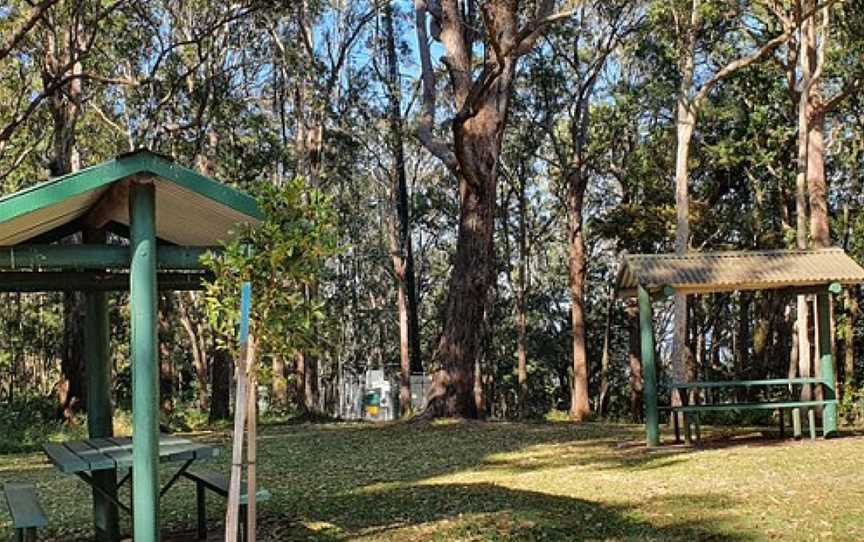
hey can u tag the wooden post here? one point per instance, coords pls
(247, 353)
(99, 416)
(649, 376)
(252, 444)
(145, 371)
(826, 365)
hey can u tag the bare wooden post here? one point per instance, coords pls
(247, 352)
(251, 443)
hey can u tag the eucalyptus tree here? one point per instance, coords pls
(478, 95)
(570, 73)
(696, 42)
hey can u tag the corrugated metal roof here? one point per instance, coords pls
(191, 209)
(705, 272)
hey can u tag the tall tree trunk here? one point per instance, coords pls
(481, 104)
(521, 311)
(634, 362)
(220, 385)
(478, 145)
(850, 304)
(685, 124)
(742, 358)
(311, 394)
(166, 366)
(279, 386)
(401, 246)
(579, 406)
(603, 396)
(577, 182)
(807, 58)
(194, 333)
(64, 106)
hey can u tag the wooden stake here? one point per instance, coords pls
(247, 354)
(252, 446)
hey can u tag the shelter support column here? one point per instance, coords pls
(826, 364)
(649, 374)
(145, 370)
(99, 410)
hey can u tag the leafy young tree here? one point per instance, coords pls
(280, 256)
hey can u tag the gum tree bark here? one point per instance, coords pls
(481, 103)
(399, 226)
(61, 61)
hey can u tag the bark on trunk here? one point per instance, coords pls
(579, 406)
(220, 384)
(603, 396)
(521, 312)
(634, 362)
(851, 306)
(65, 108)
(279, 387)
(478, 145)
(194, 333)
(399, 228)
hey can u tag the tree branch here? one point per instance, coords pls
(740, 64)
(36, 13)
(426, 124)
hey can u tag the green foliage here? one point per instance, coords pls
(851, 408)
(31, 421)
(283, 257)
(186, 417)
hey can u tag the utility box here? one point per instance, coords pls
(374, 396)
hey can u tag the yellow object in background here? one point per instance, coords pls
(372, 410)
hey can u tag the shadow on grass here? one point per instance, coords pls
(490, 512)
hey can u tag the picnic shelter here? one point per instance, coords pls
(170, 216)
(819, 272)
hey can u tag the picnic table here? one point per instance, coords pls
(83, 458)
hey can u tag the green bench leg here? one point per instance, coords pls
(796, 423)
(241, 536)
(201, 501)
(677, 428)
(698, 427)
(811, 421)
(782, 423)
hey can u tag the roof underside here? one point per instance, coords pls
(191, 209)
(708, 272)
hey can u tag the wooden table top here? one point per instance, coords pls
(112, 453)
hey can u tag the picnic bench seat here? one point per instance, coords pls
(27, 514)
(780, 405)
(219, 483)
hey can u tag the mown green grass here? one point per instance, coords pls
(507, 481)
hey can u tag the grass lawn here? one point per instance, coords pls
(508, 481)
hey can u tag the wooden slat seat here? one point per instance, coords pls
(761, 405)
(768, 405)
(747, 383)
(219, 484)
(27, 514)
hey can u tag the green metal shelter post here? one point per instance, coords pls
(826, 364)
(145, 371)
(99, 411)
(649, 375)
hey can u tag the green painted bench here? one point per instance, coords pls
(27, 514)
(764, 405)
(217, 483)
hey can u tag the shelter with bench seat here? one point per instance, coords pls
(821, 272)
(170, 215)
